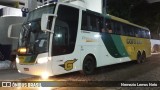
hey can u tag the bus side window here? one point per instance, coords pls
(84, 21)
(100, 24)
(131, 31)
(94, 23)
(121, 29)
(136, 32)
(114, 27)
(144, 34)
(125, 30)
(117, 28)
(147, 34)
(140, 33)
(89, 26)
(108, 27)
(91, 22)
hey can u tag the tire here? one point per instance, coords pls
(139, 58)
(89, 65)
(143, 57)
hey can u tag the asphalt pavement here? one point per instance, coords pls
(130, 71)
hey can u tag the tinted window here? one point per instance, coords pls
(116, 28)
(147, 34)
(37, 14)
(84, 21)
(107, 26)
(61, 35)
(91, 22)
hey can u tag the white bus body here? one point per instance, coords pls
(69, 48)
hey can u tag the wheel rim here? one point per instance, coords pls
(88, 66)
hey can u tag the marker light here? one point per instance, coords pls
(22, 50)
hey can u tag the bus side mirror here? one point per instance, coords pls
(46, 22)
(13, 30)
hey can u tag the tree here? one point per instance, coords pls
(122, 8)
(137, 11)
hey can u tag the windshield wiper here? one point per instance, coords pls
(25, 27)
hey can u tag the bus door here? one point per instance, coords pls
(64, 38)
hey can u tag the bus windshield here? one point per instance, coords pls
(31, 35)
(37, 13)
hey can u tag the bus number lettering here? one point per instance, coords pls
(133, 41)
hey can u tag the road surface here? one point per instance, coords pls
(130, 71)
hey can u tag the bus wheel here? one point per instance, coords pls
(89, 65)
(143, 57)
(139, 58)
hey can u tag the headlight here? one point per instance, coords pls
(19, 71)
(22, 50)
(42, 60)
(45, 75)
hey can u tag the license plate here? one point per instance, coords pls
(26, 69)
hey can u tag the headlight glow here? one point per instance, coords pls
(45, 75)
(22, 50)
(19, 71)
(42, 60)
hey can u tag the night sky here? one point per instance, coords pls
(140, 12)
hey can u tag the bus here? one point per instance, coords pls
(62, 38)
